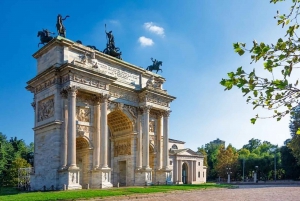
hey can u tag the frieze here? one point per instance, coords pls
(46, 109)
(152, 98)
(48, 83)
(122, 147)
(89, 60)
(84, 80)
(126, 95)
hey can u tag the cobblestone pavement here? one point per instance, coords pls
(243, 193)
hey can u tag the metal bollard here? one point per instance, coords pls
(87, 186)
(118, 185)
(145, 183)
(65, 187)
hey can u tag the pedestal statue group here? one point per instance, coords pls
(111, 49)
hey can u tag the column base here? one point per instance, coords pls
(69, 179)
(164, 177)
(143, 177)
(101, 178)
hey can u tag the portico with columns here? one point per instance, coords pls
(99, 121)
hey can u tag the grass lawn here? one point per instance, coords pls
(14, 195)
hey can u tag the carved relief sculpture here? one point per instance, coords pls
(122, 147)
(46, 109)
(83, 114)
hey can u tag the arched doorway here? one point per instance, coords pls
(82, 159)
(184, 173)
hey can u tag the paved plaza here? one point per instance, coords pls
(243, 193)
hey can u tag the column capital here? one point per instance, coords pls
(146, 108)
(166, 113)
(96, 99)
(72, 90)
(104, 98)
(64, 93)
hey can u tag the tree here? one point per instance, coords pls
(253, 144)
(13, 171)
(202, 151)
(294, 142)
(227, 158)
(278, 94)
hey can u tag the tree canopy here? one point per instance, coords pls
(280, 94)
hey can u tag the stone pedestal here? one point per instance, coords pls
(69, 179)
(101, 178)
(164, 177)
(143, 177)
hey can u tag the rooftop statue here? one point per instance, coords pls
(155, 65)
(61, 30)
(44, 36)
(111, 49)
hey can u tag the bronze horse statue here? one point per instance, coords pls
(155, 66)
(44, 37)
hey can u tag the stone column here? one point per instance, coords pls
(72, 92)
(179, 171)
(191, 175)
(64, 130)
(96, 152)
(103, 129)
(139, 140)
(159, 147)
(195, 170)
(146, 111)
(166, 115)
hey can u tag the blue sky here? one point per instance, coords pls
(193, 38)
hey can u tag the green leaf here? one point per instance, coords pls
(253, 120)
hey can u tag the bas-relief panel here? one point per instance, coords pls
(89, 60)
(122, 147)
(83, 114)
(46, 108)
(126, 95)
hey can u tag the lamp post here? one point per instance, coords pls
(255, 174)
(228, 170)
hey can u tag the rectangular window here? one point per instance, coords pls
(171, 163)
(198, 163)
(203, 174)
(199, 174)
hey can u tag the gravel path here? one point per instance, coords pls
(243, 193)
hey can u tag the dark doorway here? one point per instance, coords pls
(122, 173)
(184, 173)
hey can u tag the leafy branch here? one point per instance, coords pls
(280, 95)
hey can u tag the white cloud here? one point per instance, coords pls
(154, 29)
(145, 41)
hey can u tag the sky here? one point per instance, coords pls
(193, 38)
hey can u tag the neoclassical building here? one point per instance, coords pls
(102, 122)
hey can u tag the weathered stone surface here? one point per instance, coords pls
(90, 130)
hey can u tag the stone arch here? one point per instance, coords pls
(83, 142)
(119, 123)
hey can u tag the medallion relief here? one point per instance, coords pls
(45, 109)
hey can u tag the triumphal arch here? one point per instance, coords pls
(99, 121)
